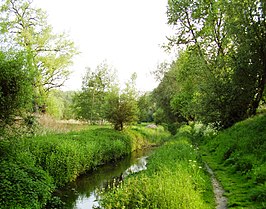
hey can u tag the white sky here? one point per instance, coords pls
(125, 33)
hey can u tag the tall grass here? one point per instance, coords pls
(155, 135)
(31, 168)
(238, 156)
(174, 179)
(48, 125)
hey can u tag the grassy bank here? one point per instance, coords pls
(174, 179)
(31, 168)
(238, 157)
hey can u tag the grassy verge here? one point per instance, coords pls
(174, 179)
(31, 168)
(238, 157)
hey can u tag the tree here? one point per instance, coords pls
(90, 102)
(55, 104)
(163, 95)
(230, 38)
(146, 107)
(247, 29)
(15, 87)
(122, 108)
(25, 28)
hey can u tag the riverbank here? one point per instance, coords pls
(82, 193)
(175, 178)
(31, 168)
(178, 176)
(238, 158)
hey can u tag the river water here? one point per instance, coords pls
(81, 194)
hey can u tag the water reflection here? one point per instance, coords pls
(138, 166)
(81, 193)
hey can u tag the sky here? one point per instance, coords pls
(127, 34)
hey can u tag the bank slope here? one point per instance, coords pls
(174, 179)
(31, 168)
(238, 157)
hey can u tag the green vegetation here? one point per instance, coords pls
(101, 99)
(220, 74)
(122, 107)
(34, 60)
(89, 104)
(174, 179)
(238, 158)
(31, 168)
(217, 80)
(59, 104)
(15, 87)
(25, 27)
(146, 108)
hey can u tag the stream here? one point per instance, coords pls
(220, 199)
(81, 193)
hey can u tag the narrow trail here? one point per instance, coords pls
(221, 201)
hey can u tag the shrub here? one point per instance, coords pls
(15, 86)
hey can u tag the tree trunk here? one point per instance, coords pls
(261, 85)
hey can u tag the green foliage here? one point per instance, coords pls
(90, 103)
(155, 135)
(15, 86)
(238, 157)
(25, 27)
(174, 179)
(67, 98)
(55, 106)
(65, 156)
(146, 108)
(59, 104)
(220, 77)
(23, 184)
(163, 95)
(31, 168)
(101, 98)
(122, 108)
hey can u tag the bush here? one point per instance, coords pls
(15, 86)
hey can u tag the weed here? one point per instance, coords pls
(174, 179)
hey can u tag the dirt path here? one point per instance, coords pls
(221, 201)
